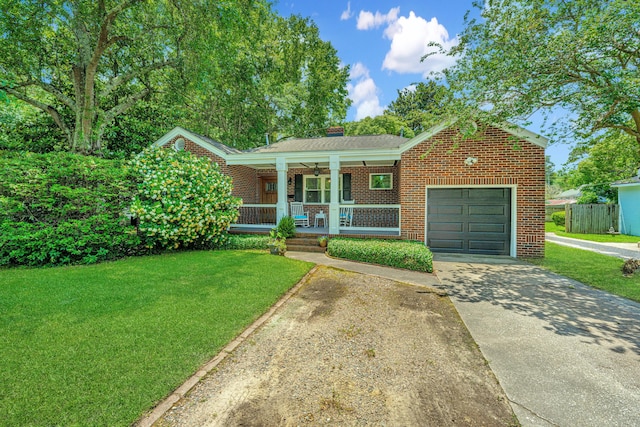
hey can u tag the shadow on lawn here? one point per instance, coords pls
(568, 307)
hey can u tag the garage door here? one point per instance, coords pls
(469, 220)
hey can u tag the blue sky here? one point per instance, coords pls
(382, 42)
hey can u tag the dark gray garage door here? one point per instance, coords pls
(469, 220)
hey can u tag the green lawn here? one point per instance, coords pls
(101, 344)
(550, 227)
(593, 269)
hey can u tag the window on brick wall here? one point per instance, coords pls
(317, 189)
(380, 181)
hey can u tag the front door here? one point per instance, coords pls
(268, 195)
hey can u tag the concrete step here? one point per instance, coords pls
(309, 241)
(303, 248)
(304, 244)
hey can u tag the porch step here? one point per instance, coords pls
(304, 244)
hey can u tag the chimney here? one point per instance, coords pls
(335, 131)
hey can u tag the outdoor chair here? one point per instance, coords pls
(299, 215)
(346, 216)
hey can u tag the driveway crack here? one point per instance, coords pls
(533, 413)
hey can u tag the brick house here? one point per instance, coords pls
(483, 195)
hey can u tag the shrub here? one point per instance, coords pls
(63, 208)
(587, 198)
(246, 241)
(182, 201)
(287, 226)
(558, 218)
(395, 253)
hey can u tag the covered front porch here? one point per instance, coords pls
(353, 219)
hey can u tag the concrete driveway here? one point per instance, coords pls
(565, 354)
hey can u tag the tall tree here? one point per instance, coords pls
(420, 106)
(605, 159)
(86, 62)
(521, 57)
(278, 78)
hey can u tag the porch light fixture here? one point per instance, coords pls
(470, 161)
(316, 171)
(289, 181)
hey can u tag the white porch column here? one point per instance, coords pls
(281, 206)
(334, 206)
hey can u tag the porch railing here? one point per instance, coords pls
(373, 218)
(257, 215)
(365, 218)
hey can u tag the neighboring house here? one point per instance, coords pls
(556, 205)
(483, 195)
(567, 196)
(629, 201)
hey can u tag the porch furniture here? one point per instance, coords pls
(299, 215)
(320, 216)
(346, 216)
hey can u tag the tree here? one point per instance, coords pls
(521, 57)
(386, 124)
(277, 78)
(419, 106)
(603, 160)
(232, 70)
(85, 63)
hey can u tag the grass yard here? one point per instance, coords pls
(593, 269)
(550, 227)
(101, 344)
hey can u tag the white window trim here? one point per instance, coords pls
(383, 173)
(321, 190)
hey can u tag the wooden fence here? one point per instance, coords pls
(592, 219)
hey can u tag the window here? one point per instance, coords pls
(380, 181)
(317, 189)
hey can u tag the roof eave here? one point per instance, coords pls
(314, 156)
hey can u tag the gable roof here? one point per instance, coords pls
(371, 146)
(334, 143)
(205, 142)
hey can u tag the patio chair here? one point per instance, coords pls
(299, 215)
(346, 216)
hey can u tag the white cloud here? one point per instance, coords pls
(363, 92)
(346, 14)
(367, 20)
(409, 39)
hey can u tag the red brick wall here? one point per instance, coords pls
(245, 183)
(440, 162)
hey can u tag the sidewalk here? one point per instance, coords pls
(620, 250)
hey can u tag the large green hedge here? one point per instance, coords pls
(63, 208)
(395, 253)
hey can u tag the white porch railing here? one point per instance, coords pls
(256, 216)
(384, 219)
(373, 218)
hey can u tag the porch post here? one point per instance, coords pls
(281, 206)
(334, 206)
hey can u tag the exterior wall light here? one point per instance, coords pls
(470, 161)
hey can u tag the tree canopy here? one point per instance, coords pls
(416, 109)
(419, 106)
(521, 57)
(110, 70)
